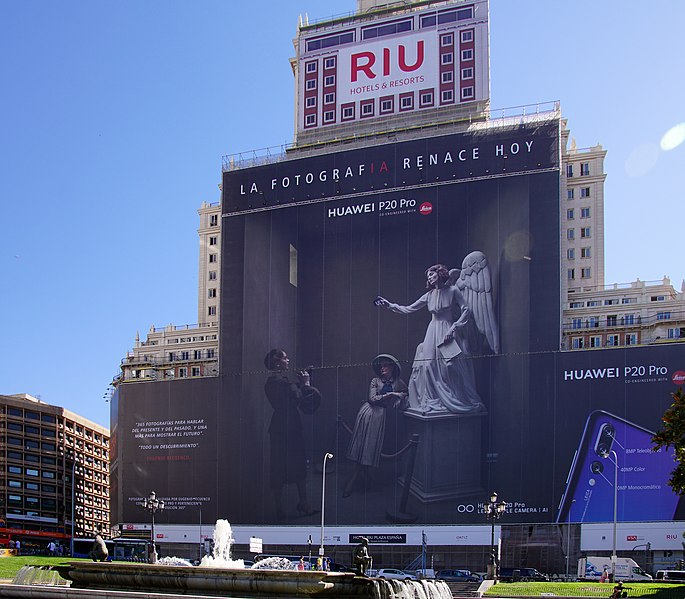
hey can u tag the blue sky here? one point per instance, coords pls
(114, 116)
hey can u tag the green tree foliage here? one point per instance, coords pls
(673, 435)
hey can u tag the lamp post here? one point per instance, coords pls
(493, 512)
(568, 538)
(613, 551)
(327, 456)
(153, 504)
(309, 542)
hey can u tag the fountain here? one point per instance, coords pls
(219, 575)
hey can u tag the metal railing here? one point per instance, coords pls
(483, 119)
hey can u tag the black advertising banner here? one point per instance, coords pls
(419, 285)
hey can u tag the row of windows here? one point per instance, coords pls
(571, 213)
(31, 472)
(585, 233)
(31, 430)
(31, 457)
(585, 252)
(613, 301)
(386, 29)
(585, 273)
(584, 169)
(29, 415)
(31, 444)
(198, 354)
(571, 192)
(448, 38)
(367, 108)
(612, 320)
(598, 341)
(29, 486)
(328, 63)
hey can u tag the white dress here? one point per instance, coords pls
(438, 384)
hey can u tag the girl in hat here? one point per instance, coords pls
(387, 391)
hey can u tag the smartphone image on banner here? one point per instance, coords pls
(610, 442)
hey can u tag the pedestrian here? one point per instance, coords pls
(17, 546)
(300, 565)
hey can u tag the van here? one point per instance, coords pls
(456, 576)
(671, 575)
(525, 574)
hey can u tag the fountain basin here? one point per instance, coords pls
(281, 584)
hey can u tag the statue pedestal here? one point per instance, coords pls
(449, 454)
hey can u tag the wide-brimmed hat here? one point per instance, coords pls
(386, 358)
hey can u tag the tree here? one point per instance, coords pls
(673, 435)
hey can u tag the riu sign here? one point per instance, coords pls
(372, 65)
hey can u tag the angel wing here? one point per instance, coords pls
(475, 283)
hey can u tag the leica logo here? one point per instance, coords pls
(427, 208)
(678, 377)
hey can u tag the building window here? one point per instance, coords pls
(569, 170)
(612, 320)
(467, 92)
(631, 339)
(595, 341)
(447, 58)
(329, 63)
(629, 300)
(212, 275)
(211, 292)
(576, 305)
(612, 340)
(569, 214)
(585, 252)
(584, 192)
(467, 73)
(577, 323)
(658, 298)
(311, 67)
(407, 102)
(570, 233)
(447, 77)
(310, 120)
(366, 108)
(571, 274)
(213, 220)
(675, 333)
(195, 371)
(594, 303)
(211, 311)
(466, 55)
(585, 212)
(183, 372)
(185, 355)
(447, 96)
(585, 233)
(426, 98)
(584, 169)
(630, 319)
(311, 84)
(663, 316)
(569, 194)
(611, 302)
(310, 102)
(329, 99)
(571, 254)
(328, 116)
(386, 105)
(210, 353)
(467, 36)
(213, 240)
(593, 322)
(585, 273)
(329, 80)
(197, 354)
(578, 343)
(446, 40)
(213, 258)
(347, 112)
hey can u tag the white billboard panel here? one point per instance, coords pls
(388, 66)
(662, 536)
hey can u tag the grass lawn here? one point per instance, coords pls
(9, 566)
(585, 589)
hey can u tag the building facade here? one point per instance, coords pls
(55, 474)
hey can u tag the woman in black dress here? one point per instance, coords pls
(287, 397)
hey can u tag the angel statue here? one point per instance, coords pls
(462, 325)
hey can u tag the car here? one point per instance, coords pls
(395, 573)
(457, 576)
(524, 574)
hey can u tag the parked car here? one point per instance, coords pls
(457, 576)
(525, 574)
(395, 573)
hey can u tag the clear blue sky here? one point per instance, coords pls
(114, 116)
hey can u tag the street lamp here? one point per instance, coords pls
(309, 542)
(493, 511)
(613, 551)
(153, 504)
(568, 538)
(327, 456)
